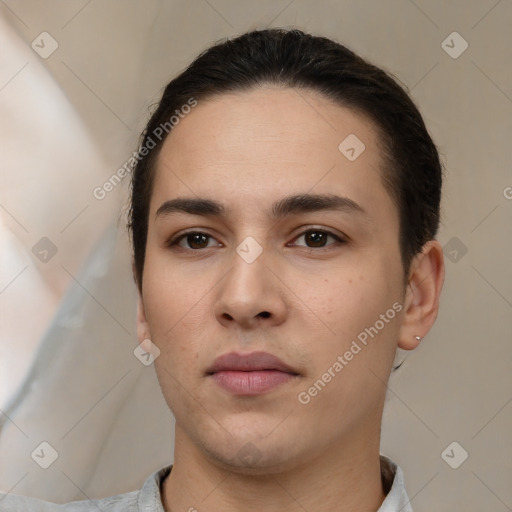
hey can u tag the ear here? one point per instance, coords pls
(143, 331)
(426, 278)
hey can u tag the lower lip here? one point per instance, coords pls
(250, 383)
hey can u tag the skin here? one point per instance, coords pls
(200, 300)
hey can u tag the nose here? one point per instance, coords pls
(251, 294)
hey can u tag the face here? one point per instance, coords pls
(316, 284)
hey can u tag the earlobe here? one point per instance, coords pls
(143, 331)
(426, 279)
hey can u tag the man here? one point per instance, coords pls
(285, 202)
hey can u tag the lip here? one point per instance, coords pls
(250, 374)
(252, 361)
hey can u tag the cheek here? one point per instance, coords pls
(175, 310)
(176, 319)
(349, 368)
(358, 309)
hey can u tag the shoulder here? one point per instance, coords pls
(122, 502)
(147, 498)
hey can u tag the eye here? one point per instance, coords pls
(314, 238)
(194, 239)
(318, 237)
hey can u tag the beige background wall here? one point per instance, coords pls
(69, 120)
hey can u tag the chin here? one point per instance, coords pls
(266, 464)
(251, 456)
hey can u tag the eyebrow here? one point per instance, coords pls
(294, 204)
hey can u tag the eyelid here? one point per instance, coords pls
(325, 231)
(174, 241)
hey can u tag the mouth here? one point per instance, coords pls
(250, 374)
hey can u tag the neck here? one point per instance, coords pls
(344, 478)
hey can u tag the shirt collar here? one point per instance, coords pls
(396, 500)
(150, 499)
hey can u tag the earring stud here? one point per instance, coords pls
(418, 338)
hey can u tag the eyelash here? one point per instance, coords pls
(173, 243)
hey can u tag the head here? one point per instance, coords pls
(272, 129)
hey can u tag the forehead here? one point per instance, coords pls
(250, 148)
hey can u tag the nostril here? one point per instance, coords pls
(264, 314)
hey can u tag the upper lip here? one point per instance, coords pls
(254, 361)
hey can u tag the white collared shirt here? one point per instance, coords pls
(148, 499)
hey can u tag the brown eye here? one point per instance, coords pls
(194, 239)
(197, 239)
(317, 238)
